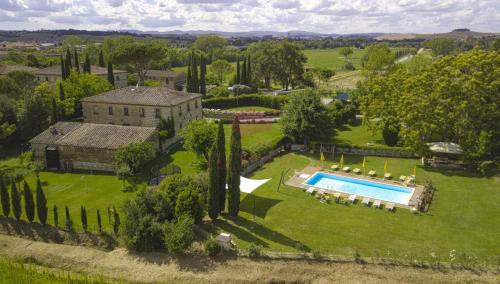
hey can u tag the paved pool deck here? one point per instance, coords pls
(297, 181)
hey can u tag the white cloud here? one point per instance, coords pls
(328, 16)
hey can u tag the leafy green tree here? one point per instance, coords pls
(195, 82)
(68, 62)
(199, 136)
(189, 78)
(64, 74)
(111, 76)
(55, 214)
(234, 171)
(220, 68)
(290, 68)
(69, 223)
(221, 165)
(346, 51)
(116, 221)
(166, 128)
(123, 172)
(179, 235)
(15, 198)
(210, 43)
(135, 155)
(55, 112)
(83, 217)
(238, 72)
(305, 118)
(41, 203)
(138, 55)
(101, 59)
(99, 221)
(249, 78)
(35, 115)
(203, 75)
(213, 185)
(4, 196)
(244, 72)
(87, 64)
(440, 46)
(190, 202)
(377, 57)
(29, 204)
(77, 62)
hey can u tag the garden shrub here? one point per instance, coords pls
(390, 135)
(219, 92)
(212, 248)
(179, 235)
(254, 250)
(275, 102)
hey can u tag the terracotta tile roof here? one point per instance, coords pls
(56, 70)
(149, 96)
(90, 135)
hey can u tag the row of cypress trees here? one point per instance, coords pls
(67, 65)
(195, 83)
(14, 200)
(244, 72)
(219, 174)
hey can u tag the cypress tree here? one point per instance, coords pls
(83, 216)
(4, 196)
(41, 203)
(63, 69)
(189, 80)
(77, 62)
(87, 64)
(194, 74)
(15, 200)
(99, 222)
(249, 71)
(234, 171)
(62, 96)
(29, 204)
(244, 72)
(238, 75)
(116, 221)
(56, 216)
(101, 59)
(68, 61)
(55, 111)
(69, 223)
(213, 185)
(111, 75)
(203, 75)
(221, 165)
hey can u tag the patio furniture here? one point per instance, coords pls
(325, 199)
(352, 198)
(311, 190)
(346, 169)
(356, 171)
(387, 176)
(337, 196)
(376, 203)
(304, 176)
(366, 201)
(372, 173)
(334, 167)
(402, 178)
(390, 206)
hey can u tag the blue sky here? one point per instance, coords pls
(327, 16)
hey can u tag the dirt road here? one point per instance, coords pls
(159, 267)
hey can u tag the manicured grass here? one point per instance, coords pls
(250, 108)
(463, 216)
(252, 135)
(331, 58)
(356, 133)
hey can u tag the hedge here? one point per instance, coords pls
(275, 102)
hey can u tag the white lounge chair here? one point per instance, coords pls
(402, 178)
(337, 196)
(304, 176)
(311, 190)
(352, 198)
(356, 171)
(376, 203)
(387, 175)
(390, 206)
(346, 169)
(372, 173)
(366, 201)
(334, 167)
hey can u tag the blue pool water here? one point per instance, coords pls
(375, 190)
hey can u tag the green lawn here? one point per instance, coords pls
(464, 216)
(356, 133)
(331, 58)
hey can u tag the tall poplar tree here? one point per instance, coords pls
(101, 59)
(64, 75)
(29, 204)
(213, 184)
(203, 75)
(99, 221)
(221, 165)
(87, 64)
(83, 216)
(234, 170)
(77, 62)
(4, 196)
(41, 203)
(55, 213)
(69, 223)
(68, 61)
(194, 74)
(244, 72)
(111, 75)
(62, 96)
(15, 199)
(238, 72)
(249, 70)
(55, 111)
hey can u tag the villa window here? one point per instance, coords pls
(142, 112)
(157, 113)
(110, 110)
(125, 111)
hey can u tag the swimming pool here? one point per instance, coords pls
(361, 187)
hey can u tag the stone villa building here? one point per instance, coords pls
(53, 73)
(86, 146)
(142, 106)
(113, 119)
(167, 78)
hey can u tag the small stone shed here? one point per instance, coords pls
(86, 146)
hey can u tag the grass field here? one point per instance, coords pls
(332, 59)
(463, 216)
(356, 133)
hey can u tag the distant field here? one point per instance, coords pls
(331, 58)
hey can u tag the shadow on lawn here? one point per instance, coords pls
(262, 205)
(247, 230)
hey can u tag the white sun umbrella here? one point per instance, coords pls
(250, 185)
